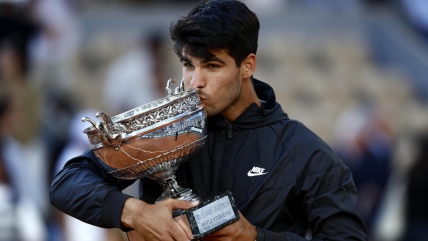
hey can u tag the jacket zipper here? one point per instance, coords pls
(213, 167)
(223, 177)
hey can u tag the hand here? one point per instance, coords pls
(239, 230)
(155, 221)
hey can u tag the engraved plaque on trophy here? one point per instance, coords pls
(212, 214)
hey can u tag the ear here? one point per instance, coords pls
(248, 66)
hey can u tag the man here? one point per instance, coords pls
(284, 179)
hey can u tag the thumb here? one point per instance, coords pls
(182, 204)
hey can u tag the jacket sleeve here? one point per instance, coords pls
(84, 190)
(329, 203)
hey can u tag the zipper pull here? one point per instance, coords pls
(229, 131)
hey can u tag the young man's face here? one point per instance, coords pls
(218, 80)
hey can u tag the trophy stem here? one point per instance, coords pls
(171, 189)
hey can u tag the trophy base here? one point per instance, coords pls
(212, 214)
(209, 216)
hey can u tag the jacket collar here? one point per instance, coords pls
(254, 116)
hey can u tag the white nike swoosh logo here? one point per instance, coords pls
(251, 174)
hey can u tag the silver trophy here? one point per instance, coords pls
(152, 140)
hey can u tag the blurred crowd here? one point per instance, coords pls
(61, 60)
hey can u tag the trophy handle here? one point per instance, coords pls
(178, 90)
(182, 86)
(98, 127)
(111, 134)
(168, 87)
(105, 118)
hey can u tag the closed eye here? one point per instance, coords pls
(213, 66)
(187, 65)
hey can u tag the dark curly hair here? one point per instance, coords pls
(217, 24)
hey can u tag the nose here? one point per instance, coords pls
(198, 79)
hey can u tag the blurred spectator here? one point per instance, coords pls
(136, 77)
(20, 219)
(16, 34)
(365, 147)
(29, 50)
(59, 36)
(51, 52)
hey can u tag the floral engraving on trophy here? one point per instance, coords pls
(152, 118)
(109, 133)
(94, 138)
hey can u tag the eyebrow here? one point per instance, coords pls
(212, 59)
(184, 59)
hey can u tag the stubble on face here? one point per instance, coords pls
(217, 79)
(224, 98)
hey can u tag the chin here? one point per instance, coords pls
(209, 114)
(209, 111)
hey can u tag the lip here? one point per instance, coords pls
(202, 98)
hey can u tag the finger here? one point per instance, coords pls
(184, 224)
(214, 236)
(178, 233)
(226, 231)
(181, 204)
(218, 233)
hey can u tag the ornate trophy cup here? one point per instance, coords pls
(152, 141)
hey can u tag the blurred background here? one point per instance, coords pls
(355, 72)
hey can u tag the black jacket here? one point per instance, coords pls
(305, 186)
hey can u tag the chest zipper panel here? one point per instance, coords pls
(212, 186)
(224, 163)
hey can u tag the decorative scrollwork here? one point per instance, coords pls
(154, 117)
(113, 133)
(109, 133)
